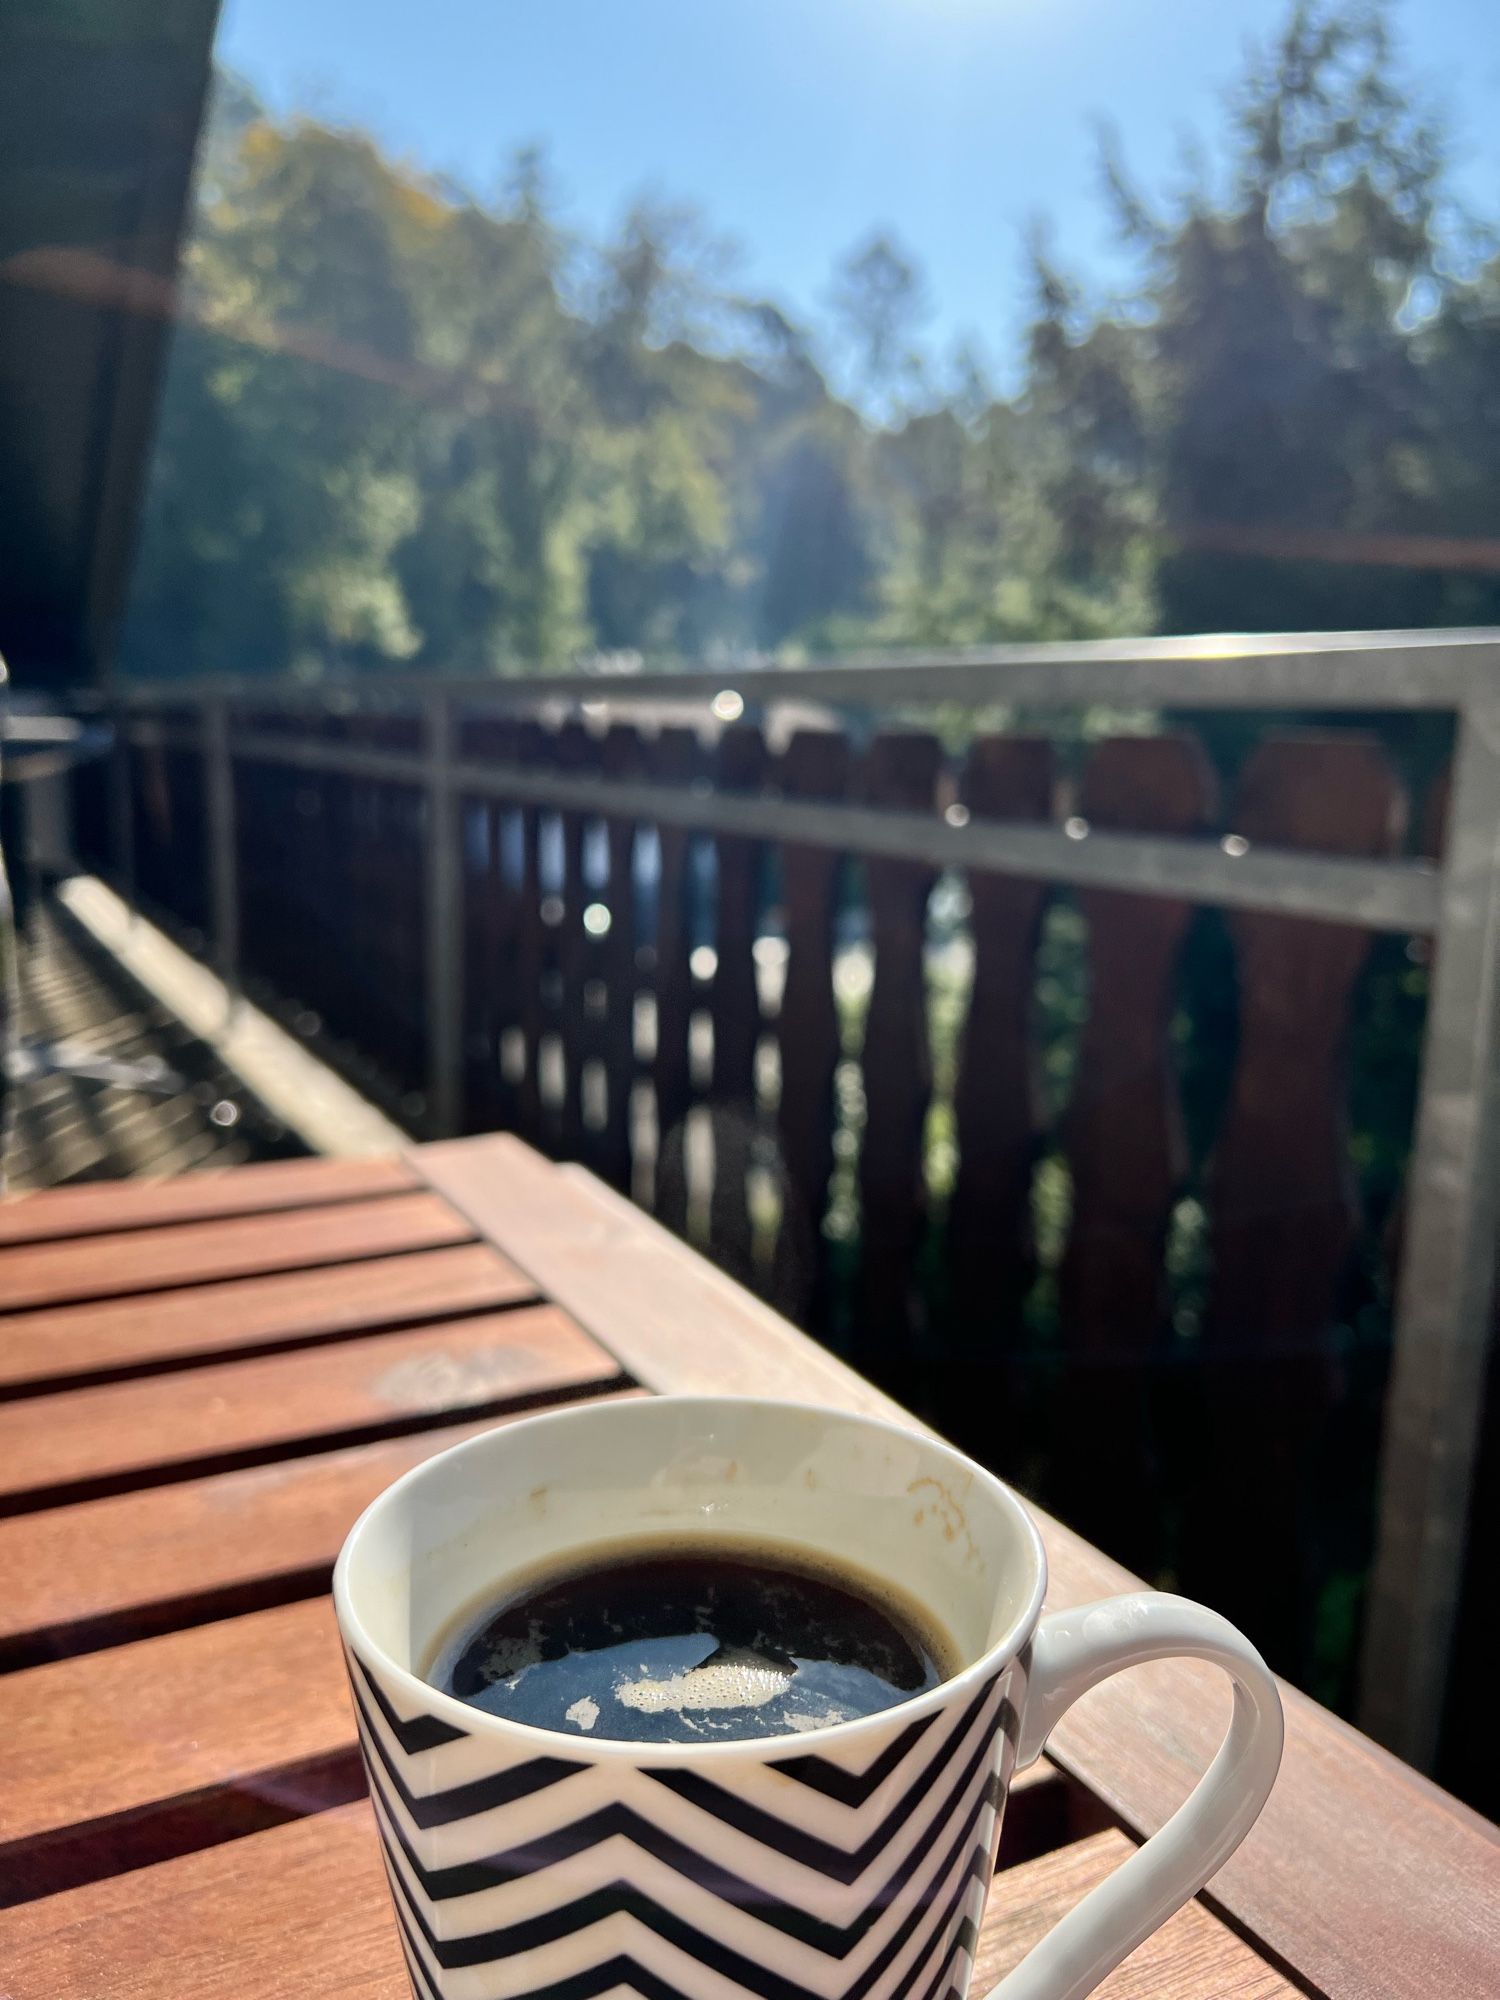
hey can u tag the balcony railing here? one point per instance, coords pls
(926, 1106)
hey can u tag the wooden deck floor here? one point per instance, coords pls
(70, 1127)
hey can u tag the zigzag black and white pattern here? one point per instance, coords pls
(554, 1878)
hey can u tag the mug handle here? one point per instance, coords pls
(1072, 1652)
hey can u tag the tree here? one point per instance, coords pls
(1292, 389)
(812, 537)
(279, 491)
(879, 300)
(406, 424)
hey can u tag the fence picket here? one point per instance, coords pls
(575, 751)
(531, 945)
(621, 758)
(1126, 1152)
(990, 1263)
(676, 757)
(1283, 1205)
(814, 765)
(491, 935)
(740, 764)
(900, 769)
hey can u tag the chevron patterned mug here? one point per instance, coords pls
(849, 1863)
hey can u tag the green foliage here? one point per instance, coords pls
(402, 424)
(877, 296)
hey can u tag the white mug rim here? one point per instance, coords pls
(479, 1722)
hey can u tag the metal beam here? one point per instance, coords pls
(1397, 896)
(1444, 1310)
(1310, 671)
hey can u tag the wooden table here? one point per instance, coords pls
(203, 1381)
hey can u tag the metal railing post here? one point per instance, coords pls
(121, 811)
(444, 939)
(1444, 1311)
(222, 860)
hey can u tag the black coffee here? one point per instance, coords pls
(678, 1647)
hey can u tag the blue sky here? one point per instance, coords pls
(798, 125)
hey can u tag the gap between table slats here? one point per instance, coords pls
(258, 1188)
(308, 1912)
(189, 1253)
(100, 1573)
(86, 1442)
(81, 1441)
(82, 1345)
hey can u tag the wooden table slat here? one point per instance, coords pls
(1192, 1957)
(131, 1432)
(684, 1325)
(300, 1909)
(305, 1910)
(1346, 1822)
(242, 1704)
(144, 1260)
(256, 1189)
(102, 1571)
(57, 1344)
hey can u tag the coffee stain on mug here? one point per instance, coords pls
(949, 1510)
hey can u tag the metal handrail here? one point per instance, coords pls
(1441, 669)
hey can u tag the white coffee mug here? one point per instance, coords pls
(849, 1863)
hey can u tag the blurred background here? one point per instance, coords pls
(653, 330)
(338, 345)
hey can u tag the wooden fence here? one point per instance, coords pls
(1072, 1169)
